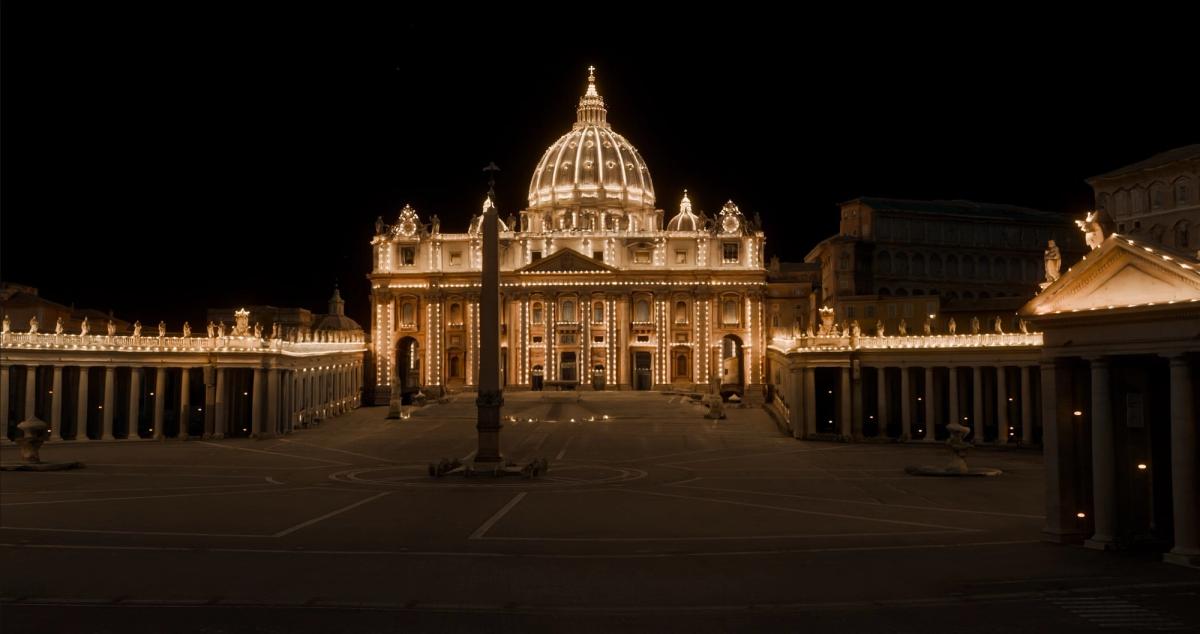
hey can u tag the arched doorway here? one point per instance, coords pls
(732, 370)
(408, 368)
(641, 371)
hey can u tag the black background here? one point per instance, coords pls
(164, 159)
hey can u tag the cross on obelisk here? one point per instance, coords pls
(491, 396)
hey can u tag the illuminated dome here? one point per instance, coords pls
(685, 220)
(591, 164)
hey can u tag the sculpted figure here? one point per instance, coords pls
(855, 330)
(137, 329)
(1053, 261)
(162, 329)
(33, 325)
(1093, 233)
(257, 330)
(221, 329)
(110, 328)
(903, 328)
(927, 327)
(58, 327)
(187, 329)
(212, 329)
(436, 224)
(951, 326)
(7, 324)
(975, 325)
(378, 225)
(84, 326)
(998, 327)
(1023, 326)
(879, 328)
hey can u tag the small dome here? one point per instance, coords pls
(685, 220)
(591, 164)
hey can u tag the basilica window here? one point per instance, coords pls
(598, 312)
(641, 256)
(568, 311)
(681, 316)
(537, 313)
(641, 311)
(455, 314)
(1158, 197)
(681, 256)
(408, 256)
(455, 258)
(729, 312)
(729, 252)
(681, 365)
(535, 256)
(567, 339)
(408, 314)
(1182, 192)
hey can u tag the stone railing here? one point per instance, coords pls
(170, 343)
(817, 343)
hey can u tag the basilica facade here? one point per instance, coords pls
(600, 289)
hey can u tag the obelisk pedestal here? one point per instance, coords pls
(491, 396)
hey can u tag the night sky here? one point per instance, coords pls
(161, 161)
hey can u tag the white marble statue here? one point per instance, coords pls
(903, 327)
(162, 328)
(211, 328)
(951, 326)
(84, 326)
(1053, 262)
(7, 325)
(257, 330)
(879, 328)
(1023, 326)
(927, 327)
(110, 328)
(187, 330)
(274, 330)
(33, 325)
(1093, 233)
(58, 326)
(137, 329)
(998, 326)
(221, 328)
(855, 330)
(975, 325)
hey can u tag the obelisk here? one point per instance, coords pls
(491, 397)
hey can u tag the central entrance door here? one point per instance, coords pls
(641, 371)
(566, 368)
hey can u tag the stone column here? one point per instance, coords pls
(881, 396)
(858, 414)
(1186, 550)
(1058, 442)
(135, 401)
(905, 404)
(1104, 476)
(30, 391)
(185, 403)
(271, 428)
(56, 405)
(952, 386)
(845, 412)
(977, 404)
(1002, 425)
(110, 380)
(795, 399)
(209, 373)
(930, 407)
(3, 402)
(810, 402)
(221, 415)
(257, 411)
(491, 395)
(1026, 408)
(81, 406)
(160, 402)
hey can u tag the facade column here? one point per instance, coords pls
(209, 374)
(810, 402)
(3, 402)
(930, 407)
(795, 399)
(1058, 442)
(1002, 425)
(846, 411)
(30, 391)
(1104, 480)
(56, 405)
(272, 421)
(952, 386)
(110, 380)
(905, 404)
(160, 402)
(977, 404)
(81, 406)
(135, 401)
(185, 403)
(881, 396)
(221, 415)
(257, 410)
(858, 413)
(1026, 409)
(1186, 550)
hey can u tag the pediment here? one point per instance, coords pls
(566, 261)
(1121, 274)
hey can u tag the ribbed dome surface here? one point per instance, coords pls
(591, 164)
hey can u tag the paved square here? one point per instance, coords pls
(651, 518)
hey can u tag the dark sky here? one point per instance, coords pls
(158, 161)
